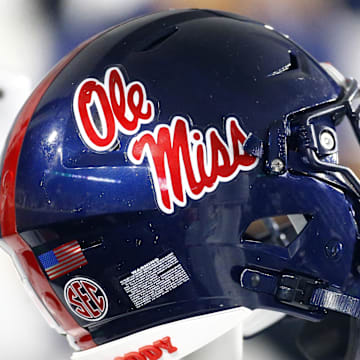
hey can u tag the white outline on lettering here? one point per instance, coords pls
(186, 190)
(118, 126)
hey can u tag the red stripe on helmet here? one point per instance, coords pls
(24, 253)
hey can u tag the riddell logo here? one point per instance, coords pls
(150, 352)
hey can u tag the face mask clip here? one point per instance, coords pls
(277, 154)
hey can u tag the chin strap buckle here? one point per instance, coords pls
(300, 291)
(296, 290)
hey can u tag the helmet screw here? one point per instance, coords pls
(255, 280)
(358, 269)
(277, 166)
(327, 140)
(333, 249)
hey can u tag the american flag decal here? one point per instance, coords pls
(63, 259)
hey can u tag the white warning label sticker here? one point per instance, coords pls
(154, 279)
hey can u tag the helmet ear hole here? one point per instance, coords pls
(276, 230)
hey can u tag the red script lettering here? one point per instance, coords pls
(121, 108)
(183, 164)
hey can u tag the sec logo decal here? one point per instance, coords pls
(86, 299)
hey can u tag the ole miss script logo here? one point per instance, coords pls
(183, 162)
(86, 299)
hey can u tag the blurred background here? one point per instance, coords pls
(38, 33)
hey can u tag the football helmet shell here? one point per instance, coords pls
(134, 171)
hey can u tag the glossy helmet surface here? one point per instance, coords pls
(135, 174)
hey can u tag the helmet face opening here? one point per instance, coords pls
(277, 230)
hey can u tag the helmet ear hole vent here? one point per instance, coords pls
(294, 64)
(276, 230)
(157, 40)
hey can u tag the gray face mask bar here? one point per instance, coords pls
(345, 106)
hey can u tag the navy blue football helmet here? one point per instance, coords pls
(181, 164)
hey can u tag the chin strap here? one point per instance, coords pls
(300, 291)
(331, 300)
